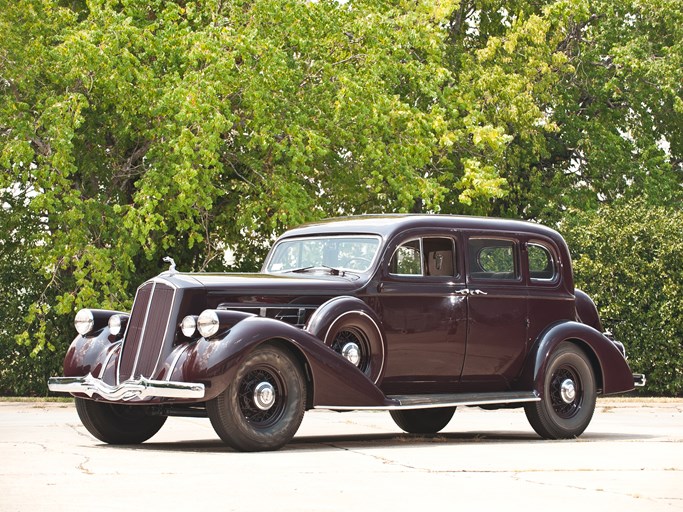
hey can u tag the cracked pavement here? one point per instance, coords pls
(630, 456)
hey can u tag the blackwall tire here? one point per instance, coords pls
(263, 406)
(569, 395)
(358, 328)
(423, 421)
(118, 424)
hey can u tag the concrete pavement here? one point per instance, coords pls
(630, 458)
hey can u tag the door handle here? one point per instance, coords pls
(467, 292)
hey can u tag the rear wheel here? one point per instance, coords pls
(569, 395)
(264, 405)
(118, 424)
(423, 421)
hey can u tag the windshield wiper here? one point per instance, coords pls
(332, 270)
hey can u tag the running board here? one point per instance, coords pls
(396, 402)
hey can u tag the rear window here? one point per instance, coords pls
(542, 266)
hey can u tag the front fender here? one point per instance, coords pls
(335, 381)
(612, 372)
(90, 353)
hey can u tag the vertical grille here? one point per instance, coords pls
(147, 329)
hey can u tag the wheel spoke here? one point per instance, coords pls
(252, 412)
(351, 336)
(564, 408)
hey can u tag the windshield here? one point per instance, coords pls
(353, 253)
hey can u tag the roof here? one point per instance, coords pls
(389, 225)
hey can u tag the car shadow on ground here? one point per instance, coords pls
(383, 440)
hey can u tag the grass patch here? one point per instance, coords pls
(641, 399)
(36, 399)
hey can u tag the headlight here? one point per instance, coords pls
(84, 321)
(189, 326)
(117, 323)
(208, 323)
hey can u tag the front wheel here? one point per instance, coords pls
(263, 406)
(423, 421)
(569, 395)
(118, 424)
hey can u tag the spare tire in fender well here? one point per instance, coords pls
(351, 316)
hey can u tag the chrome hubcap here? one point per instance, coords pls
(568, 391)
(351, 352)
(264, 396)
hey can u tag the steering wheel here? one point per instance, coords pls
(353, 261)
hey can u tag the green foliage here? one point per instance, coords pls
(629, 259)
(587, 95)
(23, 367)
(138, 129)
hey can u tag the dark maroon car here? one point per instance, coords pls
(413, 314)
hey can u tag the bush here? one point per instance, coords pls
(629, 259)
(25, 374)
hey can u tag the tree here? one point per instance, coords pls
(138, 129)
(589, 94)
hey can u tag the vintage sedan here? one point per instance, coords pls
(413, 314)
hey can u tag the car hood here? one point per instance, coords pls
(242, 285)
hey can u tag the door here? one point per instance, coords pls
(425, 320)
(498, 312)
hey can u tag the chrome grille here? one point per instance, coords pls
(147, 329)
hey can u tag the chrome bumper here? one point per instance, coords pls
(141, 388)
(639, 380)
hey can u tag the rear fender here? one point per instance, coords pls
(586, 311)
(612, 372)
(335, 381)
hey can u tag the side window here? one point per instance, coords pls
(439, 254)
(427, 256)
(492, 258)
(406, 260)
(541, 263)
